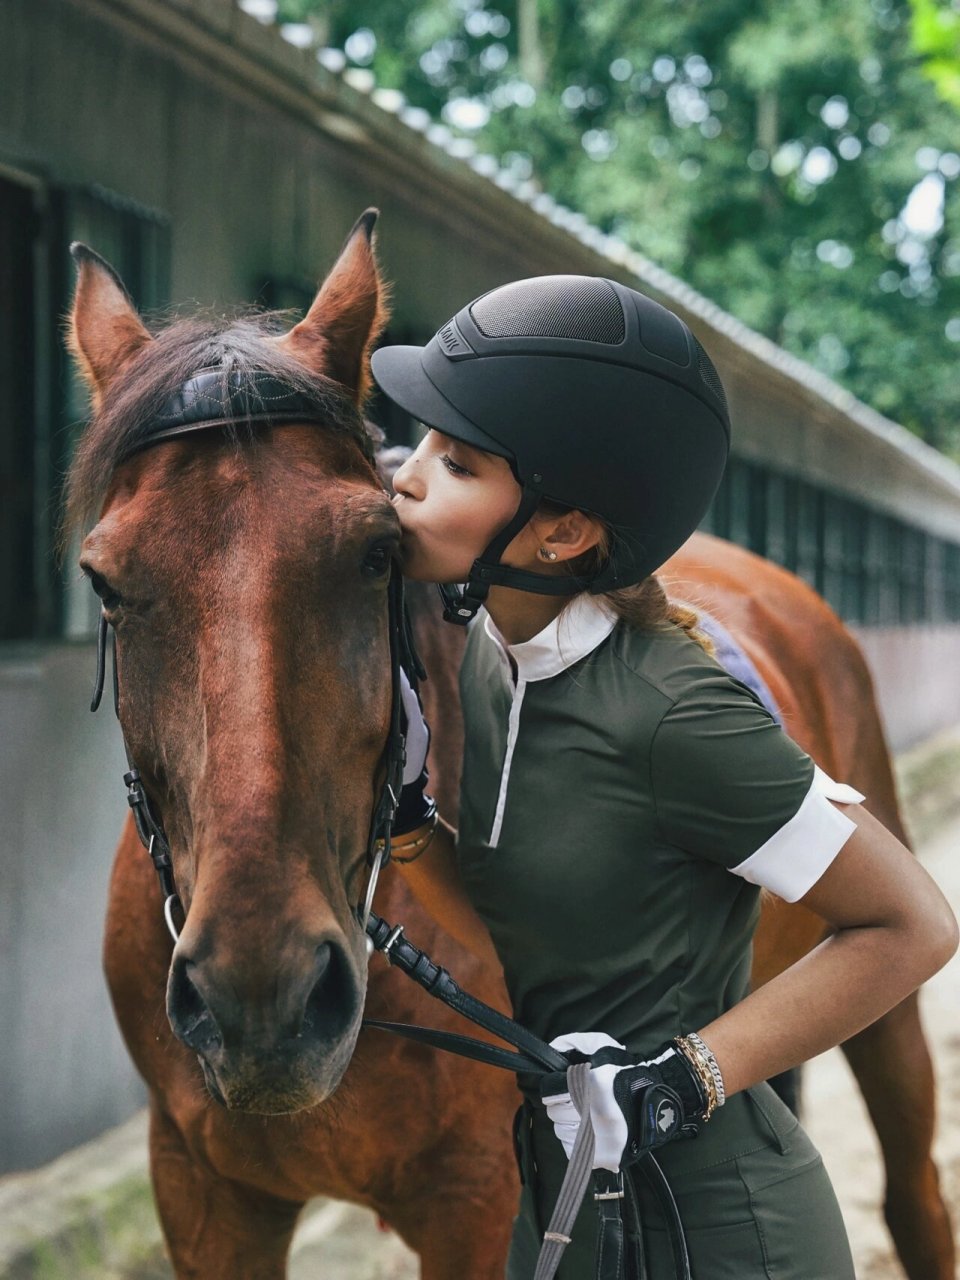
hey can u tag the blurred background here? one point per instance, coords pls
(783, 175)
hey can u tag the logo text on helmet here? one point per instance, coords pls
(452, 342)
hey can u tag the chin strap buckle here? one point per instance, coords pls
(460, 605)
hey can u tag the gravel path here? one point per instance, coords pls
(850, 1151)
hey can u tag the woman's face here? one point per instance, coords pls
(451, 500)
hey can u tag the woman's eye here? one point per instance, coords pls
(109, 598)
(377, 562)
(454, 467)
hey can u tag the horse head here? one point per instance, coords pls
(245, 570)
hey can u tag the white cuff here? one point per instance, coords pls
(796, 856)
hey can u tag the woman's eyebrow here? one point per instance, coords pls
(469, 450)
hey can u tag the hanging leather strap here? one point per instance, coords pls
(535, 1055)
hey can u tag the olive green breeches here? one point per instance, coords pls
(752, 1191)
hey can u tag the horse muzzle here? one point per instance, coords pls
(273, 1045)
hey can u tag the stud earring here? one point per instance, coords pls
(547, 555)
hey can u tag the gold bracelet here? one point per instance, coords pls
(419, 845)
(699, 1064)
(712, 1065)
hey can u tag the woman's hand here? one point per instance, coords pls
(635, 1104)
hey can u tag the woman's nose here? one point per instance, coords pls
(405, 478)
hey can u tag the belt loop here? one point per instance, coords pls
(518, 1125)
(527, 1160)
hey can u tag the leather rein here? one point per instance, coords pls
(205, 402)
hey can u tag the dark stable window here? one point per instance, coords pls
(871, 567)
(19, 506)
(42, 403)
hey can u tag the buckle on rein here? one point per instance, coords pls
(395, 934)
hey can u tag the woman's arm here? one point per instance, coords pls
(435, 881)
(893, 930)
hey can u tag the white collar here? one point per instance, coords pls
(574, 633)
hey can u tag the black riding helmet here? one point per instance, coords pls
(597, 396)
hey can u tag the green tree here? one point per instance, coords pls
(936, 37)
(789, 158)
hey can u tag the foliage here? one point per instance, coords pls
(790, 159)
(936, 37)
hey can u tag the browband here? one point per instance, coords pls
(210, 399)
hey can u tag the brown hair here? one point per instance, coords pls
(644, 606)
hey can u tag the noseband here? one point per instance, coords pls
(212, 401)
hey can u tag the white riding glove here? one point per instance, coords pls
(615, 1144)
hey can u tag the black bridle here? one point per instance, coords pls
(214, 400)
(150, 827)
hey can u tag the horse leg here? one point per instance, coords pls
(892, 1066)
(215, 1229)
(458, 1228)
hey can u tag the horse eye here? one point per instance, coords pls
(377, 562)
(109, 598)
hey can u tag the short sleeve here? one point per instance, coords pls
(730, 786)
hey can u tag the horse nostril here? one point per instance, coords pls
(190, 1018)
(322, 961)
(334, 998)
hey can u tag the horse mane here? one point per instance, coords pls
(238, 344)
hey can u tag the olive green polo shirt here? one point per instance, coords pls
(622, 801)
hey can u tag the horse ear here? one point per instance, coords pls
(105, 331)
(347, 315)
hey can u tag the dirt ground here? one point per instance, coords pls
(850, 1150)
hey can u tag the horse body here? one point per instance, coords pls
(261, 899)
(254, 680)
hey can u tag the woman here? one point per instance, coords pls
(624, 798)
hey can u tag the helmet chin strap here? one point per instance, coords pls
(460, 603)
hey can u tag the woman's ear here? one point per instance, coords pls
(571, 534)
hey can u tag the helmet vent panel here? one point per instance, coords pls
(709, 375)
(576, 307)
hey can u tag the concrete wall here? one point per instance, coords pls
(915, 678)
(64, 1072)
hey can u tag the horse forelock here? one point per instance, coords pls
(240, 345)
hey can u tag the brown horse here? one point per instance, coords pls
(243, 576)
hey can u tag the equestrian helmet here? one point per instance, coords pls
(598, 397)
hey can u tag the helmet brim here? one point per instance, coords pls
(399, 373)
